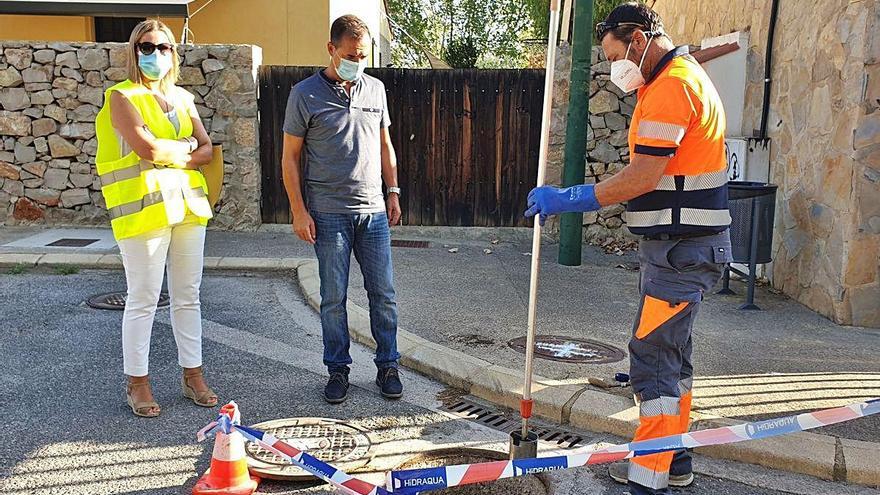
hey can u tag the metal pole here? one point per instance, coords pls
(526, 404)
(571, 224)
(753, 260)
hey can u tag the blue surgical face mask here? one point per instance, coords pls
(351, 71)
(155, 65)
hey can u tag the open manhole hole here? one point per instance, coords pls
(402, 243)
(72, 243)
(116, 300)
(341, 444)
(527, 485)
(570, 350)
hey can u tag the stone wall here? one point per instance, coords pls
(50, 94)
(607, 143)
(824, 125)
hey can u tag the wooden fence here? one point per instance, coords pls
(467, 142)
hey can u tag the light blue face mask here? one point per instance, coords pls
(155, 65)
(351, 71)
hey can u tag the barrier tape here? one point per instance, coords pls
(414, 481)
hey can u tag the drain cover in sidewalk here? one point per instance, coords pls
(341, 444)
(410, 244)
(85, 239)
(65, 242)
(116, 300)
(570, 350)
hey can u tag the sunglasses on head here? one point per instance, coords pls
(148, 48)
(603, 27)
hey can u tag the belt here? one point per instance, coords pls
(676, 237)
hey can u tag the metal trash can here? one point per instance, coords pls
(742, 198)
(752, 211)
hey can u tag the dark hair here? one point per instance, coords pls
(348, 26)
(626, 18)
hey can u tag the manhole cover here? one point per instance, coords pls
(72, 242)
(116, 300)
(341, 444)
(570, 350)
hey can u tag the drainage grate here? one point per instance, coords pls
(72, 242)
(332, 441)
(409, 244)
(509, 422)
(570, 350)
(116, 300)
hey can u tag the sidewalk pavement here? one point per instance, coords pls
(459, 310)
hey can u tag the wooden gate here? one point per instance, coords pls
(467, 142)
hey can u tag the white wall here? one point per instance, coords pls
(729, 73)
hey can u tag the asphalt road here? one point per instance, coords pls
(68, 430)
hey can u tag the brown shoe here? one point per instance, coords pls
(204, 398)
(144, 409)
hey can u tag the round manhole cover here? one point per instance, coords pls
(570, 350)
(116, 300)
(341, 444)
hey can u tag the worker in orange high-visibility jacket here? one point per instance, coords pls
(676, 189)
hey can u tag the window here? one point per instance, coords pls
(115, 28)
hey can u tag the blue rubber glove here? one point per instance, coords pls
(548, 200)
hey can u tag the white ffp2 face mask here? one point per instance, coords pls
(625, 74)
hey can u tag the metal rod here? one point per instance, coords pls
(536, 230)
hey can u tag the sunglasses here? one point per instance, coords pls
(148, 48)
(603, 27)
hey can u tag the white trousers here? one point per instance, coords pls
(144, 258)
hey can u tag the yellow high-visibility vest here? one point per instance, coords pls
(142, 196)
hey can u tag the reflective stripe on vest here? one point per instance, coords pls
(694, 182)
(149, 199)
(122, 174)
(708, 218)
(648, 218)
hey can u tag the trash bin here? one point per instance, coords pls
(752, 211)
(742, 198)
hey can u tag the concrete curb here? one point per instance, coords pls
(822, 456)
(464, 234)
(114, 261)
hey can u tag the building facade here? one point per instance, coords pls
(291, 32)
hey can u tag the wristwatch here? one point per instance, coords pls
(394, 190)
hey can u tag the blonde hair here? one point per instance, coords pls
(134, 72)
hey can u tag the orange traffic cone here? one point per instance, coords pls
(228, 474)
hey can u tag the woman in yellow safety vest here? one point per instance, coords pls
(151, 143)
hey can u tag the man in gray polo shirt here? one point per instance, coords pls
(339, 116)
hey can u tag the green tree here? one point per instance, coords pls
(537, 10)
(472, 33)
(475, 33)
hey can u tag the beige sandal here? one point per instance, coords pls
(206, 398)
(141, 408)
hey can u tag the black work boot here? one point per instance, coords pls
(336, 390)
(388, 379)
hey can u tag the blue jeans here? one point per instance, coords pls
(369, 236)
